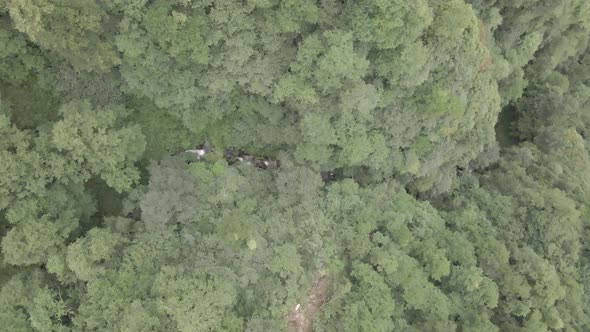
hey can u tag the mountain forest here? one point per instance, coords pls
(295, 165)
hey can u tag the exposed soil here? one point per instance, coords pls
(301, 316)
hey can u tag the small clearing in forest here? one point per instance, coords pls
(302, 315)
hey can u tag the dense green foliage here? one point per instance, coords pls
(420, 165)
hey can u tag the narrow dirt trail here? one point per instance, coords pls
(302, 315)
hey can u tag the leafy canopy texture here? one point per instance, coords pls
(283, 165)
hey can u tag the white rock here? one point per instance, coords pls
(198, 152)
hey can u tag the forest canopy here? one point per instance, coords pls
(282, 165)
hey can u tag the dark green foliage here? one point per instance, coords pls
(357, 174)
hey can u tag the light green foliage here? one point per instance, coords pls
(195, 302)
(451, 19)
(84, 255)
(440, 101)
(317, 130)
(524, 52)
(357, 75)
(393, 197)
(539, 225)
(169, 196)
(328, 70)
(41, 225)
(389, 24)
(406, 67)
(162, 50)
(73, 29)
(18, 58)
(370, 306)
(178, 34)
(43, 196)
(27, 169)
(30, 302)
(69, 84)
(69, 151)
(95, 140)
